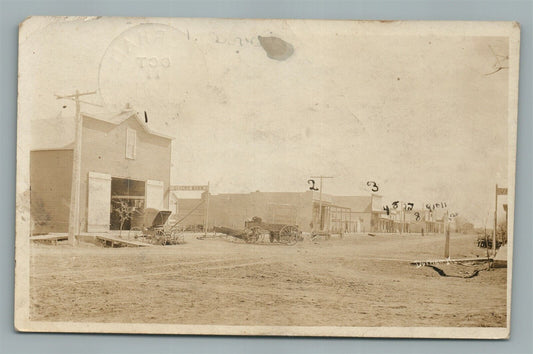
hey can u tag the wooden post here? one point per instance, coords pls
(404, 206)
(329, 226)
(74, 210)
(74, 213)
(402, 217)
(447, 234)
(320, 202)
(206, 219)
(495, 221)
(320, 207)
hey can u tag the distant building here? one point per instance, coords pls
(122, 160)
(339, 214)
(422, 220)
(467, 228)
(365, 211)
(346, 214)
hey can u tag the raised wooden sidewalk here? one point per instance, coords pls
(105, 239)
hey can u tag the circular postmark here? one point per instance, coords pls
(152, 67)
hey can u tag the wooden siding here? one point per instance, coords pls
(104, 151)
(51, 180)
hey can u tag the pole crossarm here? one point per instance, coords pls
(75, 95)
(75, 98)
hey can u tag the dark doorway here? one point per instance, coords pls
(127, 200)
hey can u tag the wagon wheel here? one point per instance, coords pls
(288, 235)
(177, 237)
(255, 233)
(250, 235)
(135, 232)
(160, 238)
(246, 235)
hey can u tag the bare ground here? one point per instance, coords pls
(355, 281)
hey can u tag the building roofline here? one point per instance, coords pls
(124, 115)
(53, 149)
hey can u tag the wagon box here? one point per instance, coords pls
(281, 233)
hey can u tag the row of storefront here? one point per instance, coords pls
(124, 164)
(335, 214)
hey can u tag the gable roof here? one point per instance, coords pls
(58, 132)
(117, 119)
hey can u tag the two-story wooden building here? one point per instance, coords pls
(122, 160)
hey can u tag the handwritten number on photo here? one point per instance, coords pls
(312, 182)
(374, 186)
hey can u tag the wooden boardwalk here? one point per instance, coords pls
(111, 240)
(107, 240)
(53, 238)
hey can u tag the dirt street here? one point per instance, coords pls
(355, 281)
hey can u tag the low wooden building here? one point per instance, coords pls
(339, 214)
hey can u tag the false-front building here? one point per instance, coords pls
(123, 163)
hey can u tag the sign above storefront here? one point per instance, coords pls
(189, 188)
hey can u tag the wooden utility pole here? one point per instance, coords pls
(74, 212)
(206, 221)
(320, 202)
(499, 191)
(495, 220)
(447, 235)
(404, 209)
(403, 206)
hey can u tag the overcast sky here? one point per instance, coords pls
(420, 115)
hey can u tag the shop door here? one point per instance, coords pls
(99, 203)
(127, 203)
(155, 194)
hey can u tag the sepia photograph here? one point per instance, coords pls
(266, 177)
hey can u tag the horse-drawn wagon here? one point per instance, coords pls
(256, 231)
